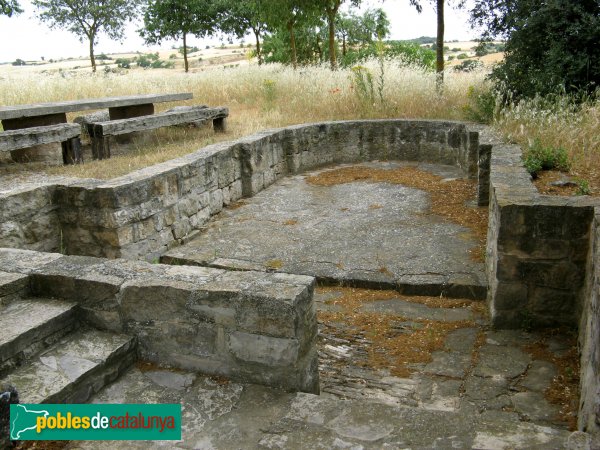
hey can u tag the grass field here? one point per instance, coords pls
(275, 96)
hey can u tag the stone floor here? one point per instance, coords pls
(476, 388)
(489, 399)
(364, 233)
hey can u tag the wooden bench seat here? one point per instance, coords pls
(100, 132)
(65, 133)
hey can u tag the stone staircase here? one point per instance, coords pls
(50, 357)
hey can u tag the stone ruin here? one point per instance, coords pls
(87, 251)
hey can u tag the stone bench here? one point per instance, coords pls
(101, 132)
(65, 133)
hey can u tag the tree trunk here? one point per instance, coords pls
(439, 67)
(344, 45)
(185, 58)
(319, 49)
(331, 13)
(92, 57)
(290, 26)
(258, 51)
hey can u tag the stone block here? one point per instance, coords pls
(150, 300)
(13, 284)
(269, 351)
(510, 296)
(181, 228)
(216, 201)
(263, 315)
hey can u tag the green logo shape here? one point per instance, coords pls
(91, 422)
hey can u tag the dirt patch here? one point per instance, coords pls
(543, 183)
(392, 341)
(564, 389)
(449, 198)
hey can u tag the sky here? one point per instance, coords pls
(24, 37)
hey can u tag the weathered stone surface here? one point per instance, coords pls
(31, 325)
(90, 212)
(335, 234)
(262, 349)
(74, 368)
(496, 360)
(537, 246)
(533, 406)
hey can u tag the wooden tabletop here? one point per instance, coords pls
(43, 109)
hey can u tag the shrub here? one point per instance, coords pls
(539, 157)
(468, 65)
(462, 56)
(123, 63)
(482, 105)
(19, 62)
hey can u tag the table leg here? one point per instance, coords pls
(71, 151)
(126, 112)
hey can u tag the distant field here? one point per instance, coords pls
(230, 55)
(275, 96)
(259, 97)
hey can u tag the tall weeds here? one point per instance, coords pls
(258, 98)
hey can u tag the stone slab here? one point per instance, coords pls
(366, 234)
(29, 324)
(226, 415)
(74, 368)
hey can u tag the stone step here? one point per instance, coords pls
(74, 368)
(28, 326)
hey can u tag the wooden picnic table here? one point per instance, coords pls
(42, 114)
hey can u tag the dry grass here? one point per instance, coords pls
(448, 198)
(258, 97)
(397, 343)
(564, 389)
(558, 124)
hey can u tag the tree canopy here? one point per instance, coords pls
(176, 19)
(9, 7)
(242, 16)
(87, 18)
(552, 46)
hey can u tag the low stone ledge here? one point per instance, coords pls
(196, 318)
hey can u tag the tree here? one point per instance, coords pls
(332, 8)
(362, 30)
(87, 18)
(241, 16)
(176, 19)
(439, 42)
(287, 14)
(9, 7)
(552, 46)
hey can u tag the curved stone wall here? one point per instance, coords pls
(142, 214)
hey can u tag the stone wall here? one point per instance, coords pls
(145, 213)
(589, 340)
(248, 326)
(537, 247)
(29, 219)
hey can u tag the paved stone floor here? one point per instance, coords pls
(491, 398)
(366, 233)
(476, 388)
